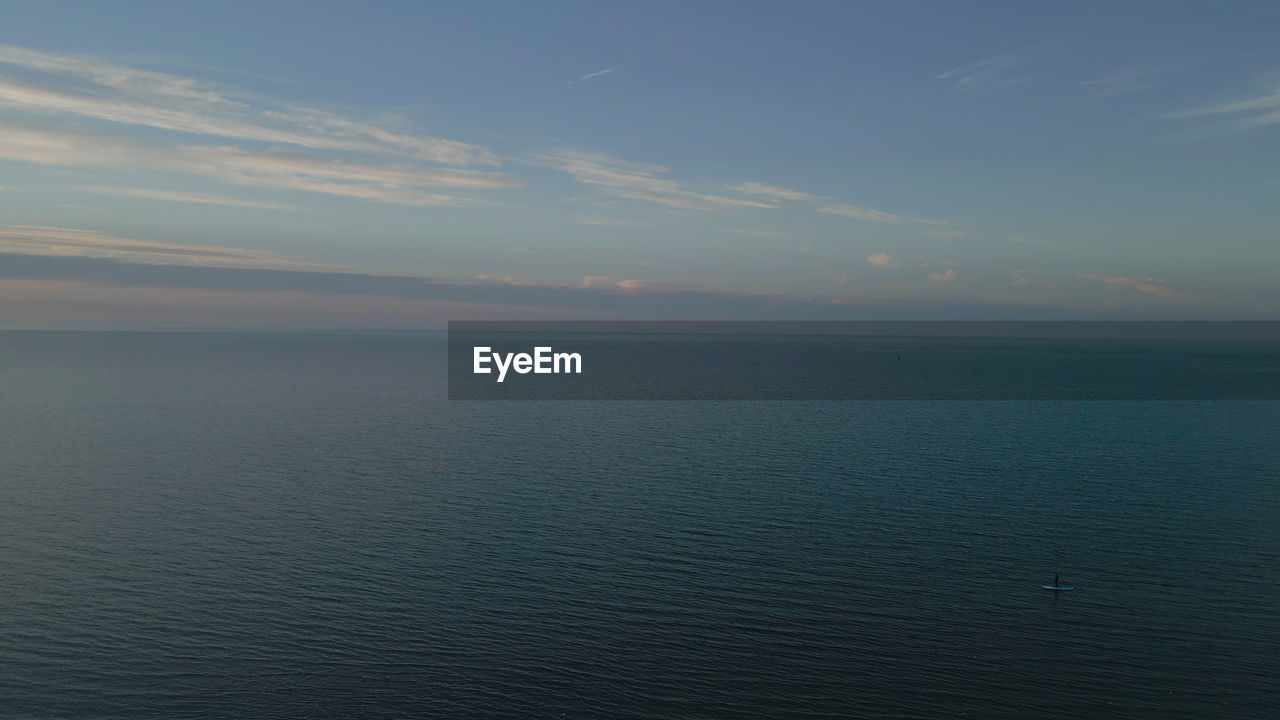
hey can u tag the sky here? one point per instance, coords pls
(402, 164)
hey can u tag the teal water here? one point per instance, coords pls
(223, 525)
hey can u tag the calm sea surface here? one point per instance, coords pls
(262, 526)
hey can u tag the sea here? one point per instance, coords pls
(303, 525)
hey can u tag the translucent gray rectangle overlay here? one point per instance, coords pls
(864, 361)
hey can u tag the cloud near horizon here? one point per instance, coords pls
(1148, 286)
(93, 259)
(87, 271)
(554, 224)
(85, 276)
(75, 243)
(81, 273)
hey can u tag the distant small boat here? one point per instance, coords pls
(1058, 586)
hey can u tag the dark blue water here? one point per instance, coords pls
(217, 525)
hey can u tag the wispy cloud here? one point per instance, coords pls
(610, 222)
(869, 215)
(883, 260)
(994, 71)
(753, 233)
(637, 181)
(132, 96)
(84, 113)
(774, 193)
(652, 183)
(1022, 240)
(1241, 114)
(1129, 81)
(778, 195)
(74, 242)
(592, 76)
(945, 234)
(1148, 285)
(197, 198)
(398, 184)
(70, 111)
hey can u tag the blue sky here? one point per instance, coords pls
(406, 163)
